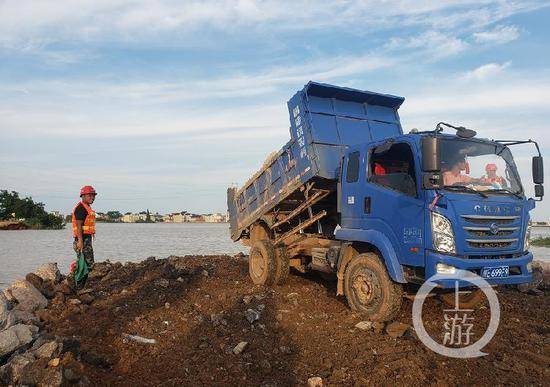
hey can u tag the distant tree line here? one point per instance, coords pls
(108, 217)
(34, 215)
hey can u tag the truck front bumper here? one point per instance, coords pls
(518, 268)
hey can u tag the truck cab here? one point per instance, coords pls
(474, 218)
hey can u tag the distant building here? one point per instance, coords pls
(132, 218)
(215, 218)
(174, 217)
(101, 217)
(178, 217)
(193, 218)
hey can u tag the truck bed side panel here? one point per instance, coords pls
(324, 119)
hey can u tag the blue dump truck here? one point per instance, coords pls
(352, 196)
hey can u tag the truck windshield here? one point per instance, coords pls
(468, 165)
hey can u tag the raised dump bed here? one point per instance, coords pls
(324, 119)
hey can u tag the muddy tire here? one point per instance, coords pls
(262, 263)
(259, 232)
(465, 301)
(282, 265)
(369, 289)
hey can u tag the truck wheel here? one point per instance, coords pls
(465, 301)
(262, 263)
(370, 290)
(281, 265)
(259, 232)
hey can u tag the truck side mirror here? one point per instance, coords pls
(431, 161)
(539, 190)
(538, 170)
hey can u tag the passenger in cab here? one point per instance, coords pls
(491, 177)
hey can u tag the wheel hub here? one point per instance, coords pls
(257, 264)
(363, 287)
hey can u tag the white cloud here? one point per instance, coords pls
(498, 35)
(511, 104)
(500, 96)
(101, 108)
(486, 71)
(157, 20)
(433, 43)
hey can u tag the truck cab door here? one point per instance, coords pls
(389, 198)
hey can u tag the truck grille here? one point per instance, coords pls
(486, 231)
(500, 256)
(482, 219)
(491, 231)
(490, 243)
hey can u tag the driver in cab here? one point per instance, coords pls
(455, 175)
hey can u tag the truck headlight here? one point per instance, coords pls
(442, 234)
(526, 243)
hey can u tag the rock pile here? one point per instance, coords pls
(28, 356)
(162, 321)
(541, 279)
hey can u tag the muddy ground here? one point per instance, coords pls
(194, 307)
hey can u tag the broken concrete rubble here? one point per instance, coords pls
(49, 272)
(27, 296)
(4, 310)
(46, 350)
(16, 337)
(239, 348)
(16, 316)
(252, 315)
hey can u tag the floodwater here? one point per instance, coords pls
(23, 251)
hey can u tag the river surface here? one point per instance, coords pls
(23, 251)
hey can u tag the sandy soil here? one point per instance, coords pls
(194, 307)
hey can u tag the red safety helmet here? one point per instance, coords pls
(491, 167)
(87, 189)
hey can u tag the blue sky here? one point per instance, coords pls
(163, 104)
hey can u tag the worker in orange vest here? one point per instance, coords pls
(83, 220)
(492, 176)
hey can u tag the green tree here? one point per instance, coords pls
(12, 206)
(114, 215)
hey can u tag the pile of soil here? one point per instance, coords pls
(198, 310)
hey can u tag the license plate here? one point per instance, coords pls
(495, 272)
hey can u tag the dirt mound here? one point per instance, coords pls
(210, 325)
